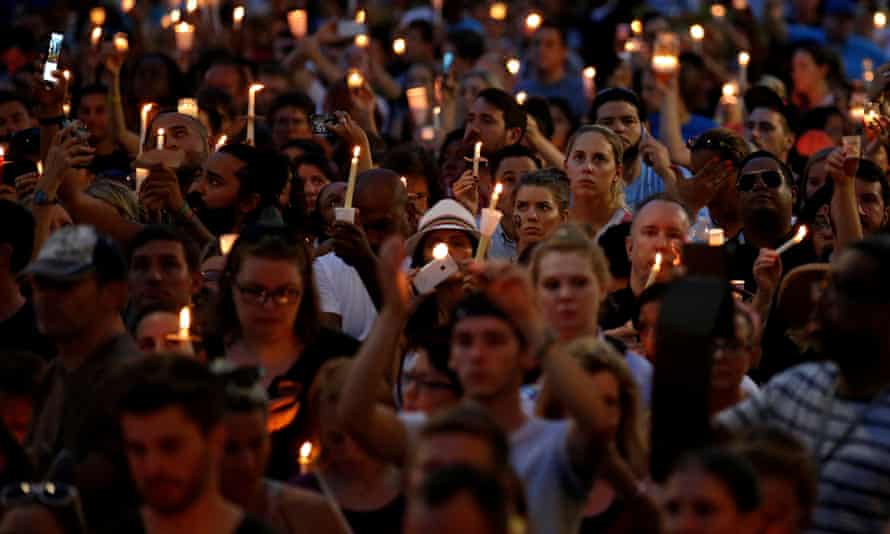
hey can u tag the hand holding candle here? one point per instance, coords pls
(589, 77)
(744, 59)
(798, 237)
(226, 242)
(656, 268)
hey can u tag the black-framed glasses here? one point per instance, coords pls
(55, 494)
(260, 295)
(770, 178)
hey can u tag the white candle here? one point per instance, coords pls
(656, 268)
(498, 189)
(187, 106)
(191, 6)
(185, 36)
(238, 16)
(160, 139)
(305, 458)
(398, 46)
(361, 16)
(744, 59)
(143, 124)
(418, 104)
(477, 155)
(185, 322)
(121, 43)
(175, 16)
(96, 36)
(798, 237)
(226, 242)
(697, 32)
(298, 22)
(251, 111)
(589, 77)
(221, 142)
(521, 97)
(350, 184)
(141, 175)
(715, 237)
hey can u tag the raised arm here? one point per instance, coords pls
(843, 202)
(376, 427)
(119, 132)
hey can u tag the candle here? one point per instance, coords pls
(417, 104)
(435, 272)
(361, 16)
(636, 26)
(97, 16)
(437, 117)
(665, 66)
(427, 133)
(362, 40)
(398, 46)
(404, 181)
(221, 142)
(498, 11)
(498, 189)
(350, 185)
(513, 66)
(533, 21)
(141, 175)
(175, 15)
(868, 73)
(730, 93)
(298, 22)
(488, 223)
(251, 111)
(589, 77)
(96, 36)
(185, 36)
(355, 79)
(880, 20)
(121, 43)
(715, 237)
(143, 124)
(127, 5)
(165, 21)
(305, 459)
(160, 139)
(521, 97)
(39, 168)
(477, 155)
(238, 16)
(872, 115)
(744, 59)
(697, 32)
(185, 322)
(187, 106)
(226, 242)
(798, 237)
(656, 268)
(718, 11)
(66, 109)
(191, 6)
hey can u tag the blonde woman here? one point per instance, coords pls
(593, 165)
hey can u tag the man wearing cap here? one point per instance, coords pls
(79, 282)
(770, 122)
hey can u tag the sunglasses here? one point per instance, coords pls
(746, 182)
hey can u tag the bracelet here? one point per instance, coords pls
(52, 121)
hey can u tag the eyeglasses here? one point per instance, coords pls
(259, 294)
(49, 493)
(772, 179)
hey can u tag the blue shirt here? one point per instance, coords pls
(852, 52)
(694, 127)
(570, 87)
(646, 184)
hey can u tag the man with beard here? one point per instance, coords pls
(864, 199)
(346, 278)
(838, 407)
(769, 124)
(170, 414)
(646, 162)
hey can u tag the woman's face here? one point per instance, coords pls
(568, 292)
(591, 166)
(731, 359)
(536, 215)
(246, 452)
(608, 386)
(424, 389)
(460, 247)
(697, 502)
(561, 126)
(267, 295)
(805, 72)
(313, 182)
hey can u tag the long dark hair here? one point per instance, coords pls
(275, 244)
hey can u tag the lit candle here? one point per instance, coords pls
(67, 75)
(226, 242)
(127, 5)
(362, 40)
(589, 77)
(185, 322)
(427, 133)
(495, 195)
(872, 115)
(305, 459)
(636, 26)
(665, 66)
(160, 139)
(298, 22)
(656, 268)
(697, 32)
(715, 237)
(718, 11)
(141, 175)
(185, 36)
(39, 168)
(740, 5)
(96, 36)
(417, 104)
(533, 21)
(191, 6)
(66, 109)
(143, 124)
(435, 272)
(879, 20)
(355, 79)
(187, 106)
(238, 16)
(798, 237)
(513, 66)
(488, 223)
(398, 46)
(221, 142)
(404, 181)
(868, 73)
(165, 21)
(361, 16)
(97, 16)
(477, 155)
(121, 43)
(437, 117)
(521, 97)
(175, 15)
(350, 184)
(251, 111)
(498, 11)
(744, 59)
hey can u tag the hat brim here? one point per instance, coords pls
(413, 241)
(57, 270)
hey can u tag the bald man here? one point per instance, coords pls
(346, 277)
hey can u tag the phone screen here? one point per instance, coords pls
(52, 57)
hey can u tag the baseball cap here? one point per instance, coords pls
(761, 96)
(447, 214)
(75, 251)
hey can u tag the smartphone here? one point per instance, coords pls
(14, 169)
(52, 58)
(320, 123)
(447, 60)
(348, 29)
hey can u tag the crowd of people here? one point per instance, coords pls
(391, 266)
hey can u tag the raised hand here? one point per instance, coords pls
(466, 191)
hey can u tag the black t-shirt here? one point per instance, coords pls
(384, 520)
(619, 308)
(20, 332)
(132, 524)
(287, 395)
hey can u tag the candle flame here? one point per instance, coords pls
(183, 27)
(127, 5)
(238, 14)
(440, 251)
(718, 11)
(658, 260)
(255, 88)
(361, 16)
(40, 168)
(221, 142)
(66, 74)
(498, 11)
(697, 32)
(521, 97)
(356, 150)
(305, 451)
(191, 6)
(355, 79)
(744, 58)
(636, 26)
(498, 189)
(185, 319)
(729, 89)
(97, 16)
(2, 151)
(590, 73)
(175, 16)
(96, 35)
(880, 20)
(121, 43)
(362, 40)
(404, 181)
(398, 46)
(226, 242)
(533, 21)
(513, 66)
(801, 233)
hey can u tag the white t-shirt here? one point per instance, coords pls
(342, 292)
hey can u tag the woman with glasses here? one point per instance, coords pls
(268, 317)
(41, 508)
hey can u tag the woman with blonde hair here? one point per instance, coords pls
(593, 165)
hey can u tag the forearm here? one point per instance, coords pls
(847, 223)
(583, 402)
(385, 84)
(85, 209)
(671, 130)
(119, 132)
(549, 153)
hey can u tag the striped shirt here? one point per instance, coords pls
(854, 460)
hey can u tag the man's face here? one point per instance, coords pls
(14, 117)
(697, 502)
(765, 128)
(181, 133)
(313, 182)
(170, 458)
(159, 274)
(765, 203)
(449, 448)
(486, 123)
(487, 357)
(333, 196)
(548, 49)
(219, 185)
(227, 78)
(509, 172)
(621, 117)
(289, 124)
(66, 308)
(659, 227)
(93, 112)
(246, 452)
(380, 215)
(872, 210)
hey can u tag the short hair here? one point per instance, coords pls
(551, 25)
(469, 418)
(17, 229)
(454, 136)
(869, 172)
(324, 164)
(732, 470)
(160, 232)
(727, 144)
(783, 167)
(663, 197)
(571, 239)
(91, 89)
(552, 179)
(154, 383)
(562, 104)
(412, 159)
(487, 492)
(292, 99)
(511, 151)
(264, 173)
(20, 372)
(434, 341)
(468, 44)
(514, 115)
(424, 28)
(613, 242)
(616, 94)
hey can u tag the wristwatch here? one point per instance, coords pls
(41, 198)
